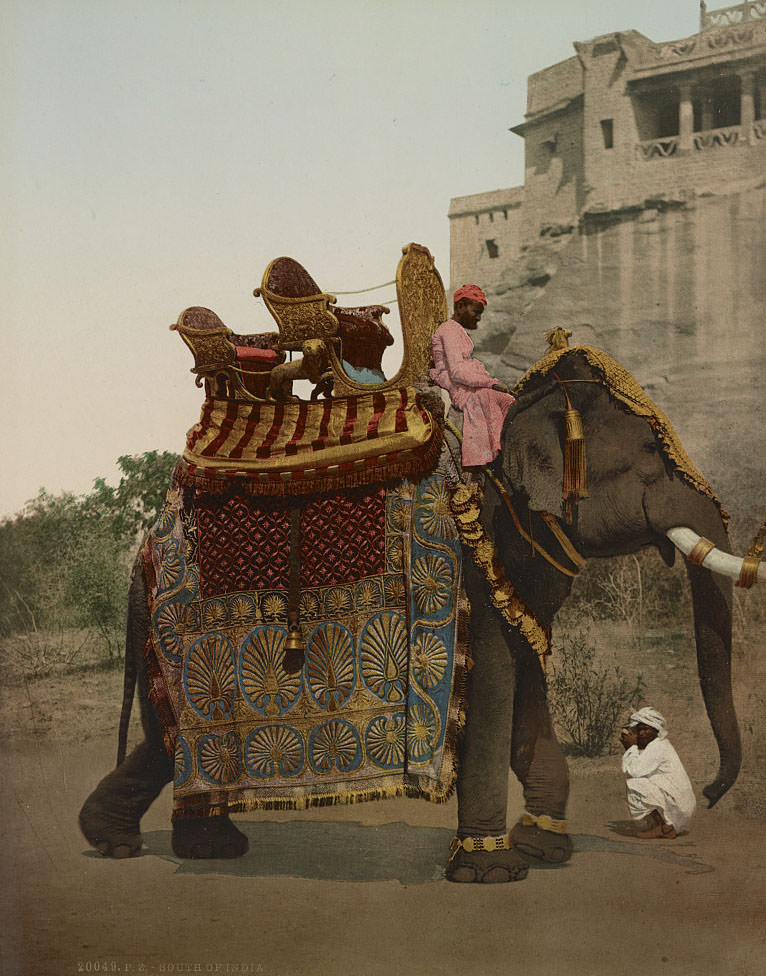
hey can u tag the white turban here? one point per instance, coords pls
(651, 717)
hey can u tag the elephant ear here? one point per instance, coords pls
(532, 459)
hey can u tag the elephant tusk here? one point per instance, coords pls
(708, 556)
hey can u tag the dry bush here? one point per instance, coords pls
(37, 654)
(588, 698)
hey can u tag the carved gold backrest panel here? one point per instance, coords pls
(422, 309)
(298, 317)
(209, 340)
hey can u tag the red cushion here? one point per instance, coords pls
(245, 353)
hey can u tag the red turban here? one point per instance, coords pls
(470, 291)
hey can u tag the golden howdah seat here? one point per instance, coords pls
(303, 311)
(227, 363)
(238, 367)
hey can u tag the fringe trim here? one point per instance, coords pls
(156, 690)
(244, 804)
(466, 509)
(413, 468)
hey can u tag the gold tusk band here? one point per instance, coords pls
(703, 548)
(748, 574)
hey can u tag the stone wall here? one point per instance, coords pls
(550, 86)
(554, 174)
(485, 235)
(608, 170)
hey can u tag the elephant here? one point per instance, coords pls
(636, 495)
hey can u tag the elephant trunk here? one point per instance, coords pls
(672, 512)
(712, 601)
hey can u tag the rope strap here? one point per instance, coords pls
(550, 521)
(502, 842)
(562, 538)
(361, 291)
(544, 822)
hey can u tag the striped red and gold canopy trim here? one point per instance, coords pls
(294, 446)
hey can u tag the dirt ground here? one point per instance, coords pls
(359, 890)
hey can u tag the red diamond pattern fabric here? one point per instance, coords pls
(243, 544)
(343, 537)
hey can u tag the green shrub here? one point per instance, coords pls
(588, 699)
(65, 564)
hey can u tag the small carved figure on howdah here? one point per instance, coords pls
(311, 366)
(483, 400)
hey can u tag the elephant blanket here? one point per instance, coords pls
(375, 710)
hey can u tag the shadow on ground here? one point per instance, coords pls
(359, 852)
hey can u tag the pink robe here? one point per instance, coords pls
(470, 388)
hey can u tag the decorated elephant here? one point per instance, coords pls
(589, 467)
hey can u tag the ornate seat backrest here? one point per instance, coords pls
(302, 312)
(422, 308)
(223, 360)
(210, 342)
(297, 304)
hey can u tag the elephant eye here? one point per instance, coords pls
(650, 447)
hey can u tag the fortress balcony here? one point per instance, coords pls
(700, 110)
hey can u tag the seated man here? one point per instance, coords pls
(483, 400)
(658, 787)
(364, 339)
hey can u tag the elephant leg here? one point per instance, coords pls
(207, 837)
(483, 777)
(539, 764)
(110, 818)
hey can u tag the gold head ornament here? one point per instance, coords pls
(558, 338)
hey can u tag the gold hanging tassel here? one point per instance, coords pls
(295, 646)
(575, 466)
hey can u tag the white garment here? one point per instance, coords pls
(657, 780)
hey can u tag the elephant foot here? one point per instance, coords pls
(208, 837)
(545, 845)
(110, 818)
(113, 832)
(485, 860)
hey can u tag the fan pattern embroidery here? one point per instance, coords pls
(374, 710)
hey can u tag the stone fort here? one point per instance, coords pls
(640, 226)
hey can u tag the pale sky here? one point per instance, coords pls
(158, 154)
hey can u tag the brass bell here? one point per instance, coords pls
(295, 651)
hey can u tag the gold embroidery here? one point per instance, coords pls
(466, 509)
